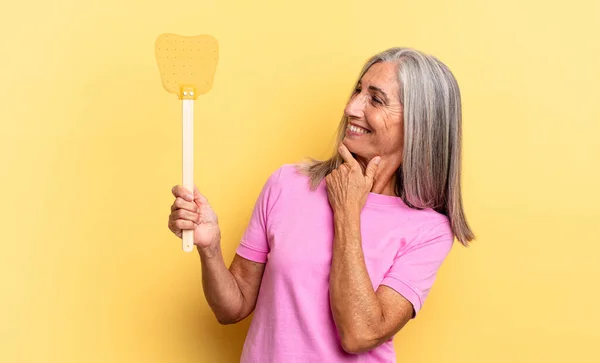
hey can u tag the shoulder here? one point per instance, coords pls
(430, 222)
(441, 229)
(285, 179)
(287, 175)
(439, 235)
(284, 187)
(429, 228)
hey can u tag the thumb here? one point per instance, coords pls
(372, 168)
(199, 196)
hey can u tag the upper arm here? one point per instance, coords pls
(413, 273)
(248, 275)
(405, 287)
(248, 265)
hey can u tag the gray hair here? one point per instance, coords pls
(429, 176)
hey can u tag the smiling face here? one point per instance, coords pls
(374, 113)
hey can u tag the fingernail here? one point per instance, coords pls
(377, 160)
(189, 197)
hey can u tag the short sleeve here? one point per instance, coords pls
(414, 270)
(254, 244)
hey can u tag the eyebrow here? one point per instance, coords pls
(377, 89)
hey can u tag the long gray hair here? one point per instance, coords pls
(429, 176)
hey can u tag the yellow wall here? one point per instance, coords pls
(90, 147)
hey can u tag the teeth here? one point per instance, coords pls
(360, 130)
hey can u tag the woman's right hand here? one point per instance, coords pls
(194, 213)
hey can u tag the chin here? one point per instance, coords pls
(355, 149)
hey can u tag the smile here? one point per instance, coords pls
(357, 129)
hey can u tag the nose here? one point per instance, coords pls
(356, 106)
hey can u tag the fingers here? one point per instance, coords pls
(347, 156)
(176, 226)
(185, 215)
(184, 211)
(198, 195)
(372, 168)
(181, 192)
(184, 204)
(182, 219)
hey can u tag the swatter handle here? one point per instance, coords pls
(188, 164)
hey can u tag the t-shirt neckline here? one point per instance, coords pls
(382, 199)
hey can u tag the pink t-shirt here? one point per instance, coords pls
(291, 230)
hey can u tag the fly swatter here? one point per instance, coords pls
(187, 67)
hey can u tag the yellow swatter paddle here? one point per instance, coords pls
(187, 67)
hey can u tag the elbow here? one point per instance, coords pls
(351, 346)
(359, 341)
(230, 318)
(356, 344)
(224, 320)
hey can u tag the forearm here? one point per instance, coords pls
(221, 289)
(355, 306)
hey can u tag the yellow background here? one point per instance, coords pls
(90, 147)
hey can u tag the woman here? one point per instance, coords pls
(340, 254)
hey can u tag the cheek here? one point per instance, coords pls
(392, 140)
(388, 127)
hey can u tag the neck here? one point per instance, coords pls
(385, 178)
(385, 182)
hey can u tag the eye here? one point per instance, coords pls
(376, 100)
(357, 90)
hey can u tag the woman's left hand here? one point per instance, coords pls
(347, 187)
